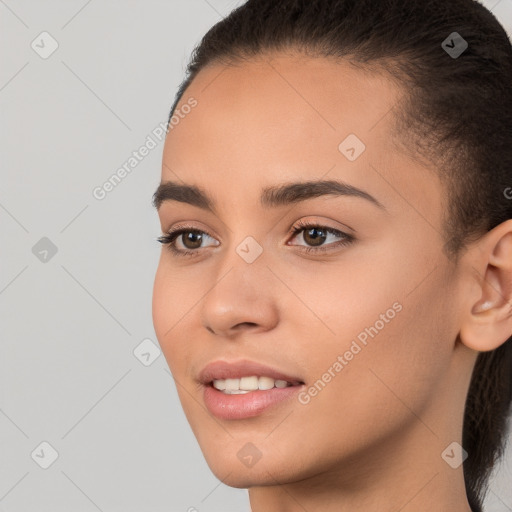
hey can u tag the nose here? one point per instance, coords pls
(242, 299)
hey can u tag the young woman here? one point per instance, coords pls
(334, 297)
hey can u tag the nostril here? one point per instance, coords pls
(249, 324)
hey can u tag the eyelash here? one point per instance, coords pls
(169, 238)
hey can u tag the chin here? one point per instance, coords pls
(268, 470)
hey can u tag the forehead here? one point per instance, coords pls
(282, 117)
(293, 96)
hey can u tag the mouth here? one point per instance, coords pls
(251, 383)
(234, 391)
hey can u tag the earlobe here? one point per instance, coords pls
(488, 321)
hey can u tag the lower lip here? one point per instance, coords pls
(246, 405)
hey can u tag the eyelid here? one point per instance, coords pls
(301, 226)
(197, 226)
(345, 229)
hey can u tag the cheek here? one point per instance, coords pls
(172, 302)
(160, 304)
(394, 337)
(396, 347)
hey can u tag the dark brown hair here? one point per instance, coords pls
(456, 112)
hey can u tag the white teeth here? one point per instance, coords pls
(232, 384)
(219, 384)
(247, 384)
(266, 383)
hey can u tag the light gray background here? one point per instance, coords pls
(70, 325)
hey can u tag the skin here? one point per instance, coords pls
(372, 439)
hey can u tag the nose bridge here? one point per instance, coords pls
(242, 272)
(246, 254)
(241, 293)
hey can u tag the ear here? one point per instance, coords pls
(487, 319)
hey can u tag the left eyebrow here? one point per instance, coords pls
(271, 197)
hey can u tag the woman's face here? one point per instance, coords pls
(361, 310)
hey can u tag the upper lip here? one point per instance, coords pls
(217, 370)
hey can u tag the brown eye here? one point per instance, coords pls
(191, 239)
(314, 236)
